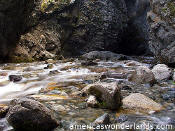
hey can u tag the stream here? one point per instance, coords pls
(56, 84)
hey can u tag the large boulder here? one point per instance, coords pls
(107, 94)
(30, 115)
(142, 75)
(161, 72)
(140, 102)
(162, 32)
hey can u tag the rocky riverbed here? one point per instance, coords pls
(77, 92)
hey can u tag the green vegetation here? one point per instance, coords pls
(45, 4)
(56, 3)
(171, 7)
(102, 104)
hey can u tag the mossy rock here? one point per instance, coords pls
(53, 4)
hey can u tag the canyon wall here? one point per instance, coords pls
(43, 29)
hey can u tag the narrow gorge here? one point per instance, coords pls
(87, 65)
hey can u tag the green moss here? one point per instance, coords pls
(56, 4)
(102, 104)
(173, 82)
(45, 4)
(171, 7)
(164, 10)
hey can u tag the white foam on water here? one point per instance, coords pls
(11, 87)
(4, 125)
(37, 80)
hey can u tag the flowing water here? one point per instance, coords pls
(56, 84)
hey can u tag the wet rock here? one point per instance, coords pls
(169, 95)
(73, 88)
(121, 119)
(89, 63)
(54, 72)
(126, 88)
(92, 101)
(64, 94)
(142, 75)
(98, 69)
(27, 114)
(134, 63)
(77, 93)
(82, 105)
(3, 74)
(3, 110)
(30, 69)
(54, 92)
(104, 55)
(104, 119)
(172, 86)
(15, 78)
(49, 61)
(107, 94)
(49, 66)
(140, 102)
(60, 108)
(161, 72)
(113, 75)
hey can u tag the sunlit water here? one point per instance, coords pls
(39, 78)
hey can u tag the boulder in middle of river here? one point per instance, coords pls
(140, 102)
(107, 94)
(161, 72)
(142, 75)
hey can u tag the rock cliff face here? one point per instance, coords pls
(135, 40)
(99, 26)
(14, 19)
(45, 29)
(162, 32)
